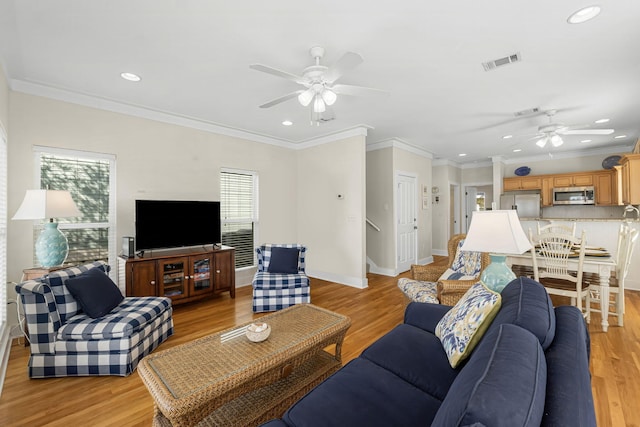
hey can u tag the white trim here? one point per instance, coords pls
(5, 349)
(73, 152)
(356, 282)
(398, 143)
(373, 268)
(360, 130)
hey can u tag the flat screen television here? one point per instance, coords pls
(162, 224)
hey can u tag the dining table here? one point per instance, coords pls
(599, 262)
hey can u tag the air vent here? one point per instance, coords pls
(490, 65)
(528, 112)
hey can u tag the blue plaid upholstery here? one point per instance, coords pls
(80, 345)
(273, 291)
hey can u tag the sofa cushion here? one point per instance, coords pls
(467, 262)
(416, 356)
(95, 292)
(569, 396)
(502, 384)
(526, 303)
(462, 327)
(451, 274)
(284, 260)
(65, 302)
(125, 320)
(419, 291)
(363, 394)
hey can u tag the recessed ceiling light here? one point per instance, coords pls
(583, 15)
(586, 140)
(287, 123)
(507, 137)
(602, 121)
(462, 154)
(130, 76)
(517, 150)
(620, 136)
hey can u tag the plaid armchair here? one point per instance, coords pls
(445, 283)
(67, 342)
(274, 291)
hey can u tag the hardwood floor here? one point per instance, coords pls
(118, 401)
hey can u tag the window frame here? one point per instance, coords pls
(110, 225)
(255, 211)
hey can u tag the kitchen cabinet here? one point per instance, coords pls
(522, 183)
(603, 183)
(547, 191)
(630, 174)
(573, 180)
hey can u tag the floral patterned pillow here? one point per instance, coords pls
(463, 326)
(467, 262)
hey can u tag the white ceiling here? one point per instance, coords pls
(194, 56)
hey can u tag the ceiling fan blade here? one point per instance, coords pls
(278, 73)
(587, 132)
(281, 99)
(358, 90)
(349, 61)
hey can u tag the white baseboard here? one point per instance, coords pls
(440, 252)
(373, 268)
(356, 282)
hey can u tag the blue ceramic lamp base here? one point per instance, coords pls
(52, 246)
(497, 275)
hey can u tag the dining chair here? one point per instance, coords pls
(550, 259)
(557, 228)
(627, 239)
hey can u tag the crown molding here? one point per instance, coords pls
(399, 143)
(101, 103)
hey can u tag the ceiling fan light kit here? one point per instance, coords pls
(319, 81)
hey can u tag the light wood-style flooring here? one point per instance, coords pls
(124, 401)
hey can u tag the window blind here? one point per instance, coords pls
(238, 212)
(89, 179)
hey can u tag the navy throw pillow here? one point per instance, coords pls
(284, 260)
(95, 292)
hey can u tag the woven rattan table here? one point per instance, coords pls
(225, 379)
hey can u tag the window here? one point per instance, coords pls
(239, 213)
(90, 179)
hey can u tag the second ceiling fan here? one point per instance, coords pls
(553, 132)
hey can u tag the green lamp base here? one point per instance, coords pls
(497, 275)
(52, 246)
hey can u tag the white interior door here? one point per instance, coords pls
(407, 214)
(470, 204)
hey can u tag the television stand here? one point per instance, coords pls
(184, 275)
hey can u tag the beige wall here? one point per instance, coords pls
(380, 244)
(154, 160)
(4, 100)
(332, 227)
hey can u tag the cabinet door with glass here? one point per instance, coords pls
(201, 280)
(173, 276)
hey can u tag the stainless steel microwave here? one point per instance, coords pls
(574, 196)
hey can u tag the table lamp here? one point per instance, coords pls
(51, 246)
(497, 232)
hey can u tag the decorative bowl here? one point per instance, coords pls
(610, 162)
(257, 332)
(522, 171)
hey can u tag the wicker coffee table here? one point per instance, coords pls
(225, 379)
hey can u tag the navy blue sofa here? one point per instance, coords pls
(530, 368)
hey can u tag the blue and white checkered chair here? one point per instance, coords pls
(67, 342)
(275, 291)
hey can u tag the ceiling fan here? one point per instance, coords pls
(552, 132)
(319, 81)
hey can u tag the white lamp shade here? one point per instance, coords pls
(497, 231)
(305, 97)
(318, 105)
(329, 97)
(542, 142)
(41, 204)
(556, 140)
